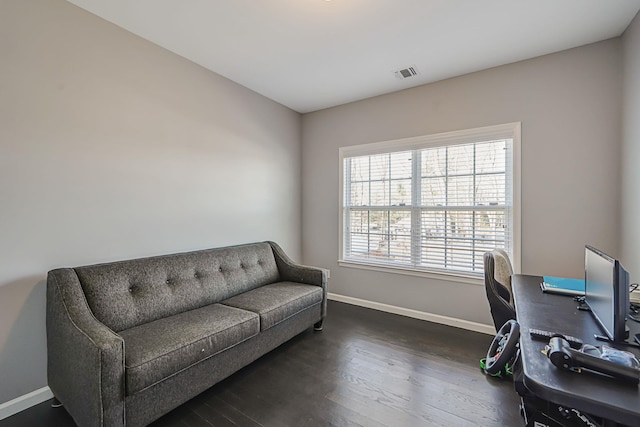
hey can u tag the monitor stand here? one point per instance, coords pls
(626, 342)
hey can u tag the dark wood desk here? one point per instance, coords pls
(587, 392)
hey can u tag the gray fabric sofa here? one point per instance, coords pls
(129, 341)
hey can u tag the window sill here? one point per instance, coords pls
(407, 271)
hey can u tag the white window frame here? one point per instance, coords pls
(503, 131)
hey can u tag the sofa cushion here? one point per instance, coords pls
(160, 349)
(130, 293)
(277, 302)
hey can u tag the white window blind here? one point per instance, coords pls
(432, 203)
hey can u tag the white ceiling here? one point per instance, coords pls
(314, 54)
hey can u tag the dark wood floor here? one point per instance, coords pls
(367, 368)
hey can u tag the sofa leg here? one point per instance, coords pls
(318, 326)
(55, 403)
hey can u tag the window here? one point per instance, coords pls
(432, 204)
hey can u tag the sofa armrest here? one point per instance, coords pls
(85, 359)
(293, 272)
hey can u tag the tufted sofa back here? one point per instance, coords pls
(129, 293)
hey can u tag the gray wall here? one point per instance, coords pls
(569, 106)
(111, 148)
(630, 199)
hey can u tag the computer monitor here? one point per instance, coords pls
(607, 292)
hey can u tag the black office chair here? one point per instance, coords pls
(497, 283)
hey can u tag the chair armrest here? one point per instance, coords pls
(85, 364)
(294, 272)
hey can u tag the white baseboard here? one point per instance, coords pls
(26, 401)
(436, 318)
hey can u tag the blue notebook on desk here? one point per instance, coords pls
(562, 285)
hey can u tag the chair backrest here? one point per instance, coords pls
(497, 282)
(503, 270)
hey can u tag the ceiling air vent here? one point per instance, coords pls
(406, 73)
